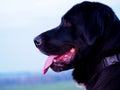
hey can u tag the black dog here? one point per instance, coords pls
(88, 41)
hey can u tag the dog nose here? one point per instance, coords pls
(38, 41)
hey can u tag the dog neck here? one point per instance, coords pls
(108, 61)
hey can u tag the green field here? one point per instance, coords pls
(57, 86)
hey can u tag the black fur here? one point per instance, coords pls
(94, 30)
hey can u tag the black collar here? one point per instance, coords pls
(108, 61)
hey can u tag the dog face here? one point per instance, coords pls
(69, 43)
(59, 44)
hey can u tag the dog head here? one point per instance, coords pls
(70, 42)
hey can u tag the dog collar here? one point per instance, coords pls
(107, 61)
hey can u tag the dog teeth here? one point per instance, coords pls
(66, 56)
(54, 60)
(72, 50)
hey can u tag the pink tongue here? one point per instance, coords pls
(48, 63)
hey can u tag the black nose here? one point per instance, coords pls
(37, 41)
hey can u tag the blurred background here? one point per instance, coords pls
(21, 62)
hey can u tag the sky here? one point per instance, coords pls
(21, 21)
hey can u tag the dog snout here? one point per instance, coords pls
(38, 41)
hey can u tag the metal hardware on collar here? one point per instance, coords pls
(107, 61)
(111, 60)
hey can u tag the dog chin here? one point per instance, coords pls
(59, 67)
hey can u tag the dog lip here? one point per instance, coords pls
(60, 62)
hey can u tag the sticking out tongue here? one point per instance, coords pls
(66, 57)
(48, 63)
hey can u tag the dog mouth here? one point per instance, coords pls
(59, 62)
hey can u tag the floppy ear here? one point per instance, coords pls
(94, 27)
(98, 22)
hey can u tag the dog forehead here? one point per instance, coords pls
(84, 8)
(78, 13)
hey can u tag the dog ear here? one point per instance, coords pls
(98, 21)
(94, 27)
